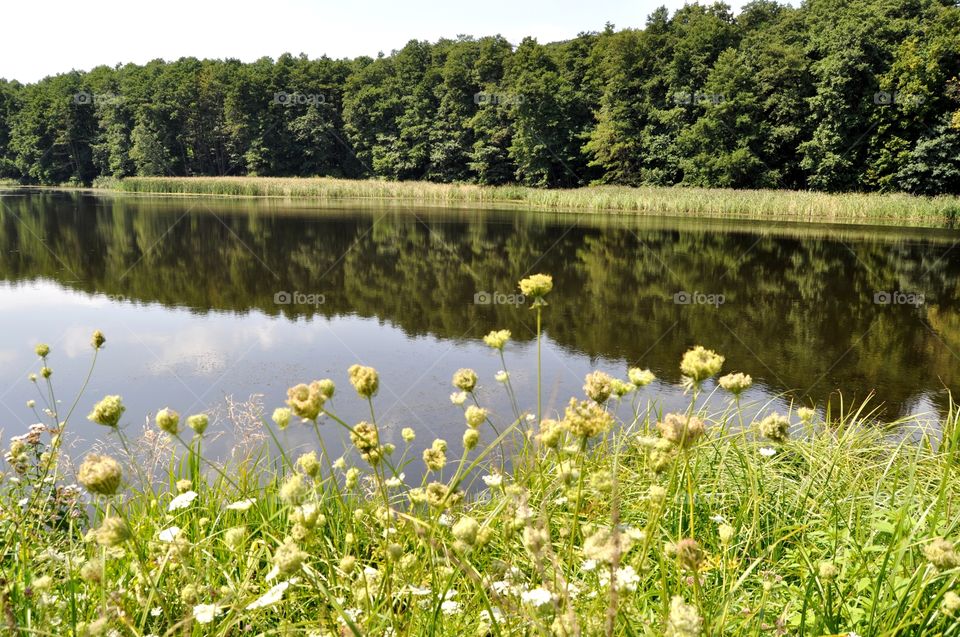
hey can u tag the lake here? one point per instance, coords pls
(203, 299)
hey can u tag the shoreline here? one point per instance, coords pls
(767, 205)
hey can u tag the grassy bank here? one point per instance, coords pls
(770, 204)
(611, 519)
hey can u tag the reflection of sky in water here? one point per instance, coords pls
(157, 357)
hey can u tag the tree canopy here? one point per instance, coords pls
(831, 95)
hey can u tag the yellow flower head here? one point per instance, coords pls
(699, 364)
(364, 379)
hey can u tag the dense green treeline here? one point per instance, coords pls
(831, 95)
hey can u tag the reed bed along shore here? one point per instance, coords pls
(760, 204)
(607, 518)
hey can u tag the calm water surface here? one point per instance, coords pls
(202, 299)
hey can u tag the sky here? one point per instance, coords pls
(46, 37)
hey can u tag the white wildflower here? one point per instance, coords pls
(182, 501)
(241, 505)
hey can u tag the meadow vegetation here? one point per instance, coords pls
(811, 522)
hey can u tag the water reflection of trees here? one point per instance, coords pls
(799, 307)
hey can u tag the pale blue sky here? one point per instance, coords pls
(44, 37)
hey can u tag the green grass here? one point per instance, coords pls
(738, 530)
(764, 204)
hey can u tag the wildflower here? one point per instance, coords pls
(31, 404)
(91, 571)
(327, 388)
(458, 397)
(450, 607)
(681, 430)
(951, 603)
(656, 495)
(502, 376)
(828, 571)
(806, 414)
(98, 339)
(662, 455)
(32, 378)
(684, 620)
(497, 338)
(699, 364)
(471, 437)
(394, 482)
(475, 416)
(537, 597)
(493, 480)
(736, 384)
(308, 515)
(606, 546)
(205, 613)
(241, 505)
(46, 372)
(182, 501)
(551, 432)
(598, 386)
(198, 422)
(486, 621)
(306, 401)
(309, 463)
(364, 379)
(465, 379)
(365, 438)
(183, 485)
(42, 350)
(689, 554)
(293, 489)
(619, 388)
(281, 417)
(100, 474)
(108, 411)
(272, 596)
(586, 419)
(640, 377)
(625, 579)
(767, 452)
(942, 554)
(466, 530)
(726, 533)
(235, 537)
(351, 477)
(437, 494)
(408, 434)
(113, 531)
(288, 558)
(535, 540)
(775, 427)
(340, 464)
(168, 421)
(435, 457)
(536, 286)
(348, 563)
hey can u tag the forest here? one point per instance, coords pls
(829, 95)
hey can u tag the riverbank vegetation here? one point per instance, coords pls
(609, 517)
(827, 96)
(695, 202)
